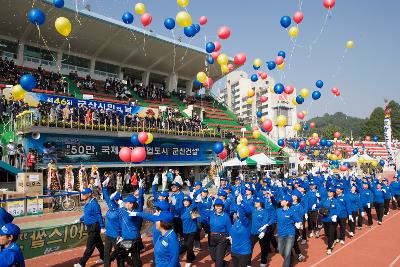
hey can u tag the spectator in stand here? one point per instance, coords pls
(31, 160)
(11, 151)
(20, 153)
(134, 182)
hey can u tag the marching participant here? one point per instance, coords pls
(379, 199)
(395, 191)
(202, 222)
(387, 196)
(177, 204)
(328, 211)
(312, 210)
(366, 200)
(343, 212)
(299, 211)
(355, 206)
(11, 255)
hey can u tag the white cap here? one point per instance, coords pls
(11, 140)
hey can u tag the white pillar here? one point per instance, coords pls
(121, 74)
(92, 66)
(59, 59)
(145, 78)
(189, 87)
(20, 54)
(172, 83)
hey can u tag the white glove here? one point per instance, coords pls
(173, 200)
(314, 207)
(120, 203)
(155, 181)
(306, 216)
(76, 221)
(187, 182)
(105, 183)
(351, 218)
(132, 214)
(317, 195)
(394, 199)
(362, 214)
(334, 218)
(140, 183)
(198, 199)
(239, 199)
(297, 225)
(113, 195)
(230, 239)
(369, 205)
(119, 239)
(103, 231)
(263, 228)
(278, 183)
(236, 193)
(261, 235)
(384, 190)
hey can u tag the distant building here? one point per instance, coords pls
(234, 95)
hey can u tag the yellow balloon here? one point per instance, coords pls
(257, 62)
(256, 134)
(224, 69)
(250, 93)
(316, 153)
(182, 3)
(183, 19)
(31, 100)
(294, 102)
(281, 120)
(249, 101)
(263, 119)
(150, 138)
(361, 160)
(304, 92)
(339, 157)
(374, 163)
(349, 44)
(244, 152)
(18, 92)
(282, 66)
(239, 146)
(329, 155)
(244, 141)
(63, 26)
(201, 77)
(315, 135)
(140, 8)
(334, 157)
(297, 127)
(222, 59)
(293, 31)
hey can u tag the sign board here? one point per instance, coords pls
(34, 206)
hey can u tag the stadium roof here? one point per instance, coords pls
(104, 38)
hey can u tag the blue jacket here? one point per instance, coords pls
(332, 205)
(166, 250)
(312, 200)
(285, 222)
(240, 232)
(298, 209)
(92, 213)
(379, 196)
(365, 197)
(354, 200)
(343, 206)
(206, 204)
(177, 202)
(5, 217)
(189, 225)
(152, 218)
(386, 189)
(12, 256)
(395, 188)
(113, 228)
(261, 217)
(129, 225)
(219, 223)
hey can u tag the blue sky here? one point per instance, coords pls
(369, 70)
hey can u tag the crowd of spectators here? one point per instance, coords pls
(117, 87)
(152, 91)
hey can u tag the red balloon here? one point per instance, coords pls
(224, 32)
(279, 60)
(263, 99)
(239, 59)
(138, 154)
(223, 154)
(343, 168)
(142, 137)
(338, 93)
(252, 149)
(146, 19)
(302, 144)
(217, 46)
(264, 75)
(349, 149)
(215, 55)
(335, 90)
(259, 72)
(312, 124)
(313, 141)
(289, 89)
(125, 154)
(230, 67)
(329, 3)
(326, 164)
(336, 134)
(368, 138)
(203, 20)
(300, 115)
(301, 158)
(298, 17)
(209, 82)
(255, 128)
(337, 153)
(267, 125)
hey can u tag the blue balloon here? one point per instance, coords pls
(286, 21)
(197, 27)
(329, 143)
(382, 162)
(279, 88)
(323, 142)
(36, 16)
(197, 83)
(259, 114)
(281, 142)
(28, 82)
(254, 78)
(355, 151)
(302, 150)
(271, 65)
(256, 68)
(127, 18)
(316, 95)
(375, 138)
(210, 60)
(282, 54)
(210, 47)
(299, 99)
(58, 3)
(305, 127)
(319, 84)
(218, 147)
(135, 140)
(169, 23)
(189, 31)
(347, 164)
(295, 145)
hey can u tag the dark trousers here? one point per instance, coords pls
(123, 255)
(330, 229)
(312, 220)
(296, 246)
(396, 202)
(359, 219)
(342, 229)
(109, 244)
(352, 224)
(200, 226)
(11, 160)
(386, 206)
(272, 238)
(93, 241)
(369, 215)
(304, 230)
(218, 245)
(264, 245)
(379, 211)
(189, 241)
(240, 260)
(178, 227)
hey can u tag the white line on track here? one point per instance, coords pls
(354, 240)
(392, 264)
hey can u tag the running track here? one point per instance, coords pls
(377, 246)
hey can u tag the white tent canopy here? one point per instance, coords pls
(262, 159)
(355, 158)
(234, 162)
